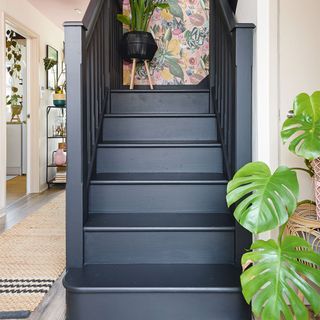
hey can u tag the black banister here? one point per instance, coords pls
(91, 69)
(231, 93)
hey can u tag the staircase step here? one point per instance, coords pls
(159, 157)
(158, 192)
(155, 292)
(160, 101)
(159, 222)
(151, 127)
(159, 238)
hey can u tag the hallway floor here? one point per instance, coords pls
(16, 189)
(52, 306)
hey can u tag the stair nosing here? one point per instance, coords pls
(159, 115)
(148, 144)
(151, 289)
(160, 229)
(187, 90)
(158, 182)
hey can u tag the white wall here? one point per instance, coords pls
(26, 14)
(299, 39)
(287, 62)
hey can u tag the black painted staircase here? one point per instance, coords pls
(159, 241)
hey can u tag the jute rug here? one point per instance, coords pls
(32, 257)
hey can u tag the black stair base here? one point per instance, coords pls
(155, 292)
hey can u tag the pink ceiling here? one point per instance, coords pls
(59, 11)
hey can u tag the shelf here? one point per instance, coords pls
(52, 165)
(57, 137)
(54, 181)
(54, 107)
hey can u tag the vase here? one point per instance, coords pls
(15, 113)
(60, 157)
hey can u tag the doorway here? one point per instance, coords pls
(19, 119)
(16, 110)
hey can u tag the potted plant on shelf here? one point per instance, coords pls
(138, 44)
(275, 271)
(59, 96)
(15, 101)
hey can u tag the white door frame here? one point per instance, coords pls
(33, 104)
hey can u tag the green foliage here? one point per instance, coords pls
(141, 13)
(14, 56)
(275, 271)
(303, 128)
(49, 64)
(279, 269)
(265, 200)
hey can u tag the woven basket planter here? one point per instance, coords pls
(316, 168)
(305, 224)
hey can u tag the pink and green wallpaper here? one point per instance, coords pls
(182, 35)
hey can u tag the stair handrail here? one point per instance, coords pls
(87, 56)
(231, 94)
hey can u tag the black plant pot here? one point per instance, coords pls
(138, 45)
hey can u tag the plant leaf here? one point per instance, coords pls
(175, 9)
(303, 129)
(265, 200)
(175, 69)
(277, 271)
(124, 19)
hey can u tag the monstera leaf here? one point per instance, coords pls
(278, 270)
(266, 200)
(303, 129)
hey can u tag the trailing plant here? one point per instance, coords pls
(141, 13)
(14, 56)
(49, 64)
(274, 270)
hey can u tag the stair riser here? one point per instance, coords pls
(159, 159)
(160, 102)
(159, 128)
(128, 247)
(157, 198)
(157, 306)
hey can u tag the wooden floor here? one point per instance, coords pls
(53, 305)
(16, 189)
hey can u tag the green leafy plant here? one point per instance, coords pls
(274, 270)
(141, 13)
(14, 56)
(302, 129)
(49, 64)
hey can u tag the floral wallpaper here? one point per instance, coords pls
(182, 35)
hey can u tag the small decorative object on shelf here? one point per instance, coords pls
(59, 156)
(138, 44)
(59, 126)
(56, 145)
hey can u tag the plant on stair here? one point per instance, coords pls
(138, 44)
(275, 271)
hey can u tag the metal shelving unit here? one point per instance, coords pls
(49, 154)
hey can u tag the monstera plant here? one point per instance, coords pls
(302, 131)
(275, 271)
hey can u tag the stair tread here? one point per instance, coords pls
(160, 115)
(161, 221)
(195, 90)
(195, 143)
(160, 177)
(154, 278)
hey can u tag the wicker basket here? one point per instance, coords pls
(304, 223)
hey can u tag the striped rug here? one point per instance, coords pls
(32, 257)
